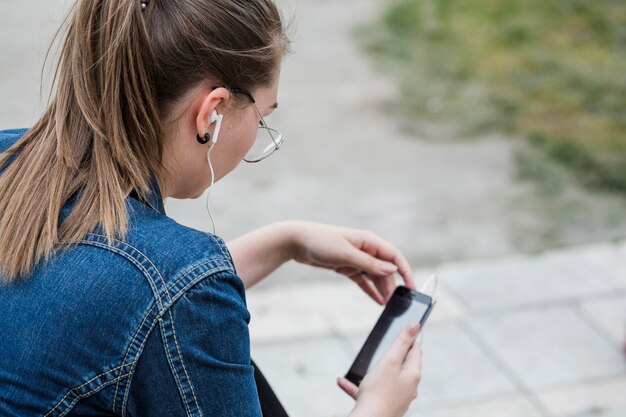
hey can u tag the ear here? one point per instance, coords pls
(209, 100)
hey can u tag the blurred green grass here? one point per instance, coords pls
(553, 72)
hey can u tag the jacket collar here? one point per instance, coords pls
(154, 198)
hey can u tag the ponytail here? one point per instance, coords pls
(99, 137)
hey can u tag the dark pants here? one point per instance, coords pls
(270, 406)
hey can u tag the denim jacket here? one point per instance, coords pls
(154, 325)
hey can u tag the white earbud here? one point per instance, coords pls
(216, 118)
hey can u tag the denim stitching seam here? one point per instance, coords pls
(144, 257)
(173, 367)
(78, 388)
(87, 394)
(196, 267)
(136, 361)
(193, 392)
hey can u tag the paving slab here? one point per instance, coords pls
(508, 406)
(607, 256)
(304, 373)
(549, 346)
(518, 281)
(586, 398)
(620, 263)
(614, 412)
(609, 314)
(288, 313)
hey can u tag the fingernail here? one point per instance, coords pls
(388, 268)
(414, 328)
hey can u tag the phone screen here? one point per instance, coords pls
(406, 306)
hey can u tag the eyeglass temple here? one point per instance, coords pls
(237, 90)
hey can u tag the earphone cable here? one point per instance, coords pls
(208, 194)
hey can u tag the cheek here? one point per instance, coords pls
(237, 144)
(252, 137)
(248, 136)
(232, 148)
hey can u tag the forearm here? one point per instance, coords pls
(260, 252)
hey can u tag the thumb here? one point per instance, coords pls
(396, 354)
(350, 389)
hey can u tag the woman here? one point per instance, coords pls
(107, 306)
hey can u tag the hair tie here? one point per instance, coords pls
(144, 4)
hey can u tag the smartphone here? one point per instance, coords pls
(405, 306)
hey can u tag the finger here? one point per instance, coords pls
(398, 351)
(350, 389)
(391, 286)
(359, 277)
(381, 249)
(363, 261)
(351, 271)
(347, 271)
(383, 287)
(413, 361)
(406, 273)
(369, 288)
(404, 269)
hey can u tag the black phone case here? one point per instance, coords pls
(377, 333)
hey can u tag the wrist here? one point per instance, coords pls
(359, 412)
(289, 232)
(368, 408)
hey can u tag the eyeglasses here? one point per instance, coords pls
(267, 140)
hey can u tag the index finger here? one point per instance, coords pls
(405, 271)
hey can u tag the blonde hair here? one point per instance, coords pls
(100, 136)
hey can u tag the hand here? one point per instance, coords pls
(360, 255)
(389, 388)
